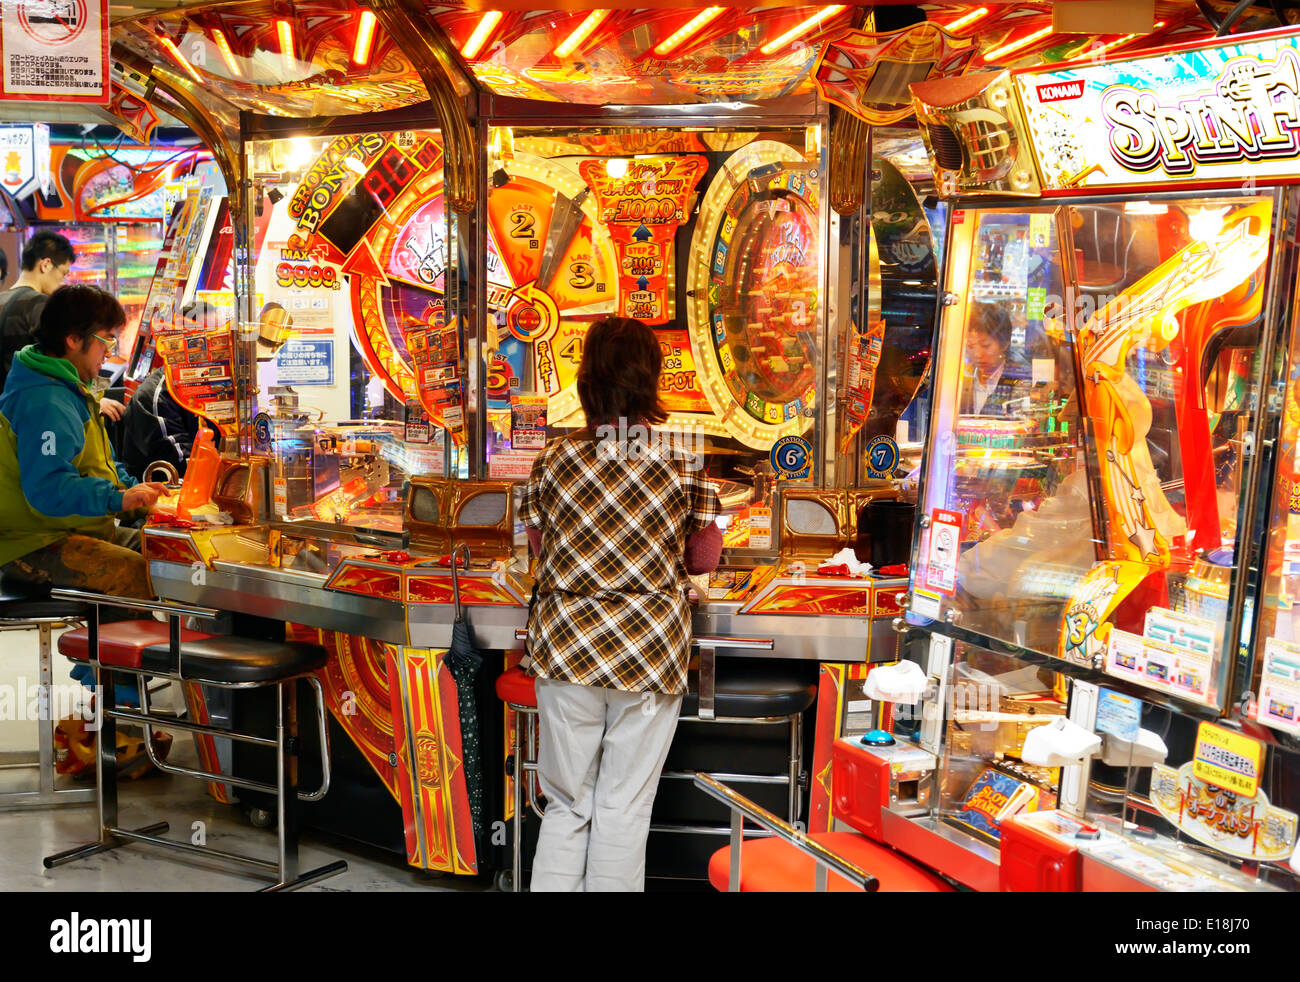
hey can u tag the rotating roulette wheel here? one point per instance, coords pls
(754, 284)
(552, 271)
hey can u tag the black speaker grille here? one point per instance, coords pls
(946, 146)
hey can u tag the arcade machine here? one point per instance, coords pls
(1100, 685)
(113, 204)
(395, 425)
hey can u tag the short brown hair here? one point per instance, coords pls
(619, 374)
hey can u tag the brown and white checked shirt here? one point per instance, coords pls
(611, 606)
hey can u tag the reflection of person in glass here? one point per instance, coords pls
(985, 388)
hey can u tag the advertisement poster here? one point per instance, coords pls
(200, 375)
(55, 51)
(1279, 686)
(24, 158)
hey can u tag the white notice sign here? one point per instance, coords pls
(55, 50)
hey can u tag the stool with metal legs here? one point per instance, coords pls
(518, 691)
(748, 698)
(20, 612)
(225, 662)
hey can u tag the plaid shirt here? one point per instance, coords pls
(611, 606)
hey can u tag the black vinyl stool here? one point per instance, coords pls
(21, 610)
(225, 662)
(761, 695)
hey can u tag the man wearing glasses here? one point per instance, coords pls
(60, 488)
(47, 260)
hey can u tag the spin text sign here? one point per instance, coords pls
(1223, 113)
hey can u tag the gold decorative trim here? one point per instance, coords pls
(405, 24)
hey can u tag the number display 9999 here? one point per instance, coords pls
(319, 277)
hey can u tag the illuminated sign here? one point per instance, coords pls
(1210, 114)
(642, 208)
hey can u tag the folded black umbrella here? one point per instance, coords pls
(463, 660)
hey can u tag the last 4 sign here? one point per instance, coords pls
(1210, 113)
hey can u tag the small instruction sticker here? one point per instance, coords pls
(760, 528)
(1118, 715)
(1228, 760)
(945, 547)
(925, 604)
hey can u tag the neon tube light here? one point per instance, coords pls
(365, 39)
(175, 52)
(802, 28)
(1024, 42)
(482, 33)
(965, 20)
(583, 31)
(285, 31)
(688, 30)
(227, 55)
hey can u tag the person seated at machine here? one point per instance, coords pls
(156, 428)
(987, 385)
(47, 260)
(60, 488)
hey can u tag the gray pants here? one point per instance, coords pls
(599, 762)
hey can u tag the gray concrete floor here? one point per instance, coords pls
(28, 835)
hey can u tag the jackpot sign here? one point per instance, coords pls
(1208, 114)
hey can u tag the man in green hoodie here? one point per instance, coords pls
(60, 488)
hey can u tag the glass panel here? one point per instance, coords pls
(1226, 799)
(1116, 552)
(270, 58)
(587, 224)
(361, 372)
(1273, 688)
(996, 701)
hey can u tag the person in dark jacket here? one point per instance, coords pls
(47, 260)
(156, 427)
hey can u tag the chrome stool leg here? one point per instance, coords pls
(517, 791)
(105, 777)
(287, 826)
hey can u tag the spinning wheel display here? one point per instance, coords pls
(551, 272)
(754, 276)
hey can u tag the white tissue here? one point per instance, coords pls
(846, 557)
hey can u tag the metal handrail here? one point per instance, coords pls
(742, 808)
(105, 599)
(705, 641)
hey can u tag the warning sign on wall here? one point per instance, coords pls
(55, 50)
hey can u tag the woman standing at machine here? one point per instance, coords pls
(614, 517)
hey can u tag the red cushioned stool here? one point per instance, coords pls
(775, 866)
(146, 648)
(792, 861)
(518, 690)
(122, 644)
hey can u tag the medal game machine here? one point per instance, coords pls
(392, 426)
(1088, 701)
(113, 203)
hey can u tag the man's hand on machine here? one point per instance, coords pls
(142, 495)
(111, 408)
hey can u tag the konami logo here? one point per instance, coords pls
(1060, 91)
